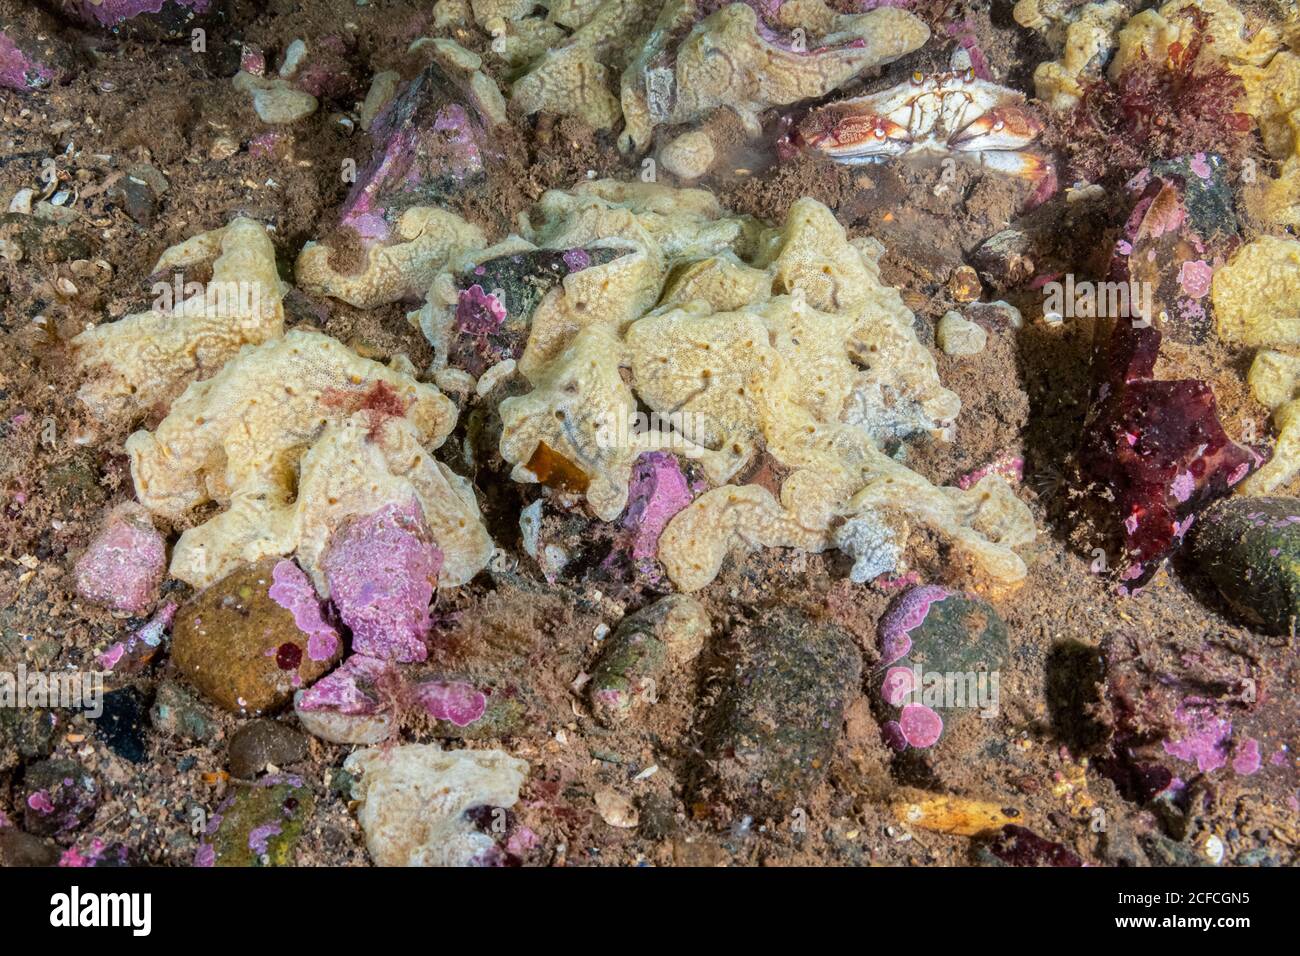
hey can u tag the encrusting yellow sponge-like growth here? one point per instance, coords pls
(1256, 299)
(745, 339)
(291, 438)
(147, 359)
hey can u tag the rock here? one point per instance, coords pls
(98, 854)
(644, 648)
(258, 825)
(431, 143)
(25, 735)
(964, 284)
(261, 742)
(136, 197)
(141, 646)
(659, 489)
(177, 713)
(35, 240)
(32, 55)
(364, 700)
(351, 705)
(431, 140)
(1250, 549)
(74, 485)
(421, 806)
(941, 653)
(1181, 230)
(769, 738)
(995, 317)
(463, 710)
(1017, 846)
(1004, 259)
(22, 849)
(144, 19)
(244, 648)
(1183, 707)
(57, 797)
(121, 725)
(958, 336)
(383, 87)
(616, 809)
(124, 565)
(277, 102)
(382, 569)
(321, 68)
(495, 301)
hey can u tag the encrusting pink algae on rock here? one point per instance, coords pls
(382, 570)
(123, 567)
(293, 591)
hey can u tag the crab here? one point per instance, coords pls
(951, 114)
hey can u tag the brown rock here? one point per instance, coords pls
(241, 648)
(262, 742)
(22, 849)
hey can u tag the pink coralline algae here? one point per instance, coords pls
(1007, 466)
(123, 567)
(113, 13)
(357, 688)
(1247, 760)
(454, 701)
(1205, 738)
(429, 142)
(142, 645)
(293, 591)
(657, 492)
(97, 854)
(382, 569)
(906, 614)
(1158, 444)
(919, 725)
(22, 64)
(365, 687)
(478, 313)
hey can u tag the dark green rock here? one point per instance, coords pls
(952, 646)
(42, 242)
(259, 825)
(73, 485)
(640, 653)
(498, 297)
(177, 713)
(768, 739)
(1250, 549)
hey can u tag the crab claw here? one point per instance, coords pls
(1021, 165)
(848, 137)
(1027, 166)
(1002, 127)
